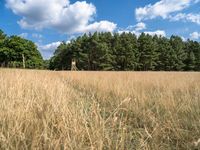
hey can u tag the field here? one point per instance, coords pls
(99, 110)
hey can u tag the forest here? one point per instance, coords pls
(127, 52)
(106, 52)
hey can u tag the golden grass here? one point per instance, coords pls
(99, 110)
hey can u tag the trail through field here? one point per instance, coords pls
(99, 110)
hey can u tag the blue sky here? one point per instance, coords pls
(48, 22)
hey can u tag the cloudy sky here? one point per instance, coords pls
(47, 22)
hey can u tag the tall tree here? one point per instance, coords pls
(13, 50)
(4, 52)
(62, 57)
(147, 52)
(179, 54)
(126, 51)
(194, 47)
(166, 55)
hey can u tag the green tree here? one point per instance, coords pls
(191, 61)
(179, 55)
(125, 51)
(13, 49)
(62, 57)
(166, 55)
(147, 52)
(194, 46)
(106, 51)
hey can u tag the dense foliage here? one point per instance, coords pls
(126, 51)
(14, 48)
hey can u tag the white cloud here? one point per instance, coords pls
(137, 33)
(140, 26)
(23, 35)
(183, 38)
(195, 18)
(195, 35)
(133, 28)
(58, 14)
(129, 29)
(49, 47)
(137, 29)
(162, 9)
(101, 26)
(157, 32)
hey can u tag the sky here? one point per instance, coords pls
(49, 22)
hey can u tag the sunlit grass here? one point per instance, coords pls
(99, 110)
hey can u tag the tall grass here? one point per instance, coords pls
(99, 110)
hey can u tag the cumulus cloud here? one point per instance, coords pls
(134, 28)
(58, 14)
(140, 26)
(195, 35)
(162, 9)
(129, 29)
(195, 18)
(48, 49)
(101, 26)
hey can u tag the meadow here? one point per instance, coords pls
(99, 110)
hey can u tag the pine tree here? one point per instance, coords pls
(192, 50)
(147, 50)
(125, 51)
(166, 55)
(196, 50)
(104, 51)
(179, 54)
(191, 62)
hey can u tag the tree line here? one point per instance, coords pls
(106, 51)
(14, 49)
(127, 52)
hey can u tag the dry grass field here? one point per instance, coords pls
(99, 110)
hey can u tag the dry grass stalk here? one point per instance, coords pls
(99, 110)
